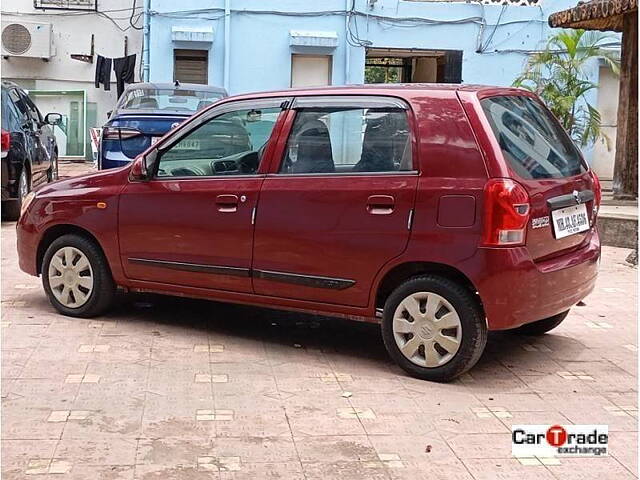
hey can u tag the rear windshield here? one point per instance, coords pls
(168, 99)
(531, 139)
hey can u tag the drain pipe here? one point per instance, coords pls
(146, 37)
(227, 47)
(347, 50)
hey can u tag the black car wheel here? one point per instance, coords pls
(77, 278)
(11, 208)
(433, 328)
(541, 326)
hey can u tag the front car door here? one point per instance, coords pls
(338, 204)
(42, 145)
(192, 224)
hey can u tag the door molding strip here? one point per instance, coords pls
(284, 277)
(193, 267)
(305, 280)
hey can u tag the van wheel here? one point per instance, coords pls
(76, 277)
(541, 326)
(433, 328)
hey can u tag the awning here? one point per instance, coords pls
(190, 34)
(605, 15)
(308, 38)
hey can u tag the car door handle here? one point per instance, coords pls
(227, 203)
(380, 204)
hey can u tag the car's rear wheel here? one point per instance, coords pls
(11, 208)
(541, 326)
(76, 277)
(433, 328)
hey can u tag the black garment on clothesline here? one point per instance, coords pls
(103, 72)
(124, 68)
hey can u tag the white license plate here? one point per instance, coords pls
(570, 220)
(188, 145)
(154, 140)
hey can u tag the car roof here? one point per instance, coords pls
(402, 90)
(9, 84)
(172, 86)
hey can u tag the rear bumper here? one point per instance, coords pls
(518, 291)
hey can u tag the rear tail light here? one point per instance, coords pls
(597, 189)
(119, 133)
(506, 207)
(6, 141)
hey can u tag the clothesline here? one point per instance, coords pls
(123, 67)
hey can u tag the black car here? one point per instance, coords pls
(29, 150)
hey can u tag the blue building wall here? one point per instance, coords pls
(259, 42)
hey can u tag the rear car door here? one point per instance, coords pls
(543, 158)
(338, 202)
(191, 225)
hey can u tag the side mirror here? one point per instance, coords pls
(53, 118)
(143, 166)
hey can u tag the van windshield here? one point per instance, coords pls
(531, 139)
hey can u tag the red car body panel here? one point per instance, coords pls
(319, 225)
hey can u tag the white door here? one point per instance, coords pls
(310, 70)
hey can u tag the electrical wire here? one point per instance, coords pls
(131, 21)
(495, 28)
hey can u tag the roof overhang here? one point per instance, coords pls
(313, 39)
(605, 15)
(190, 34)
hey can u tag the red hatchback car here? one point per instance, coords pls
(440, 211)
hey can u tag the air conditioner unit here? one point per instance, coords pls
(26, 39)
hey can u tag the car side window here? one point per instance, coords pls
(18, 101)
(348, 140)
(32, 110)
(10, 114)
(230, 144)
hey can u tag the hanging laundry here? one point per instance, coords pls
(124, 68)
(103, 72)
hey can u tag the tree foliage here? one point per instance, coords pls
(558, 74)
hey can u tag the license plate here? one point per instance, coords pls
(570, 220)
(154, 140)
(187, 144)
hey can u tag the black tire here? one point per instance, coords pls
(104, 288)
(474, 327)
(11, 208)
(541, 326)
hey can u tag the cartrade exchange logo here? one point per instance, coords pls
(559, 440)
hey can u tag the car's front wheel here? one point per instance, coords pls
(433, 328)
(76, 277)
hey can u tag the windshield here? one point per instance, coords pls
(168, 99)
(531, 139)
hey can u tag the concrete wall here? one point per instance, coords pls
(604, 152)
(259, 44)
(72, 34)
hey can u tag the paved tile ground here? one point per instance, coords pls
(165, 388)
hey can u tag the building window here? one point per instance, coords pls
(310, 70)
(392, 65)
(191, 66)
